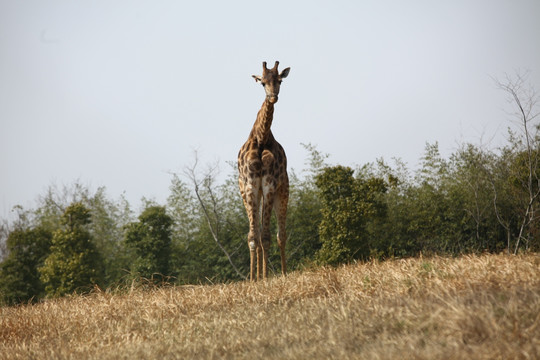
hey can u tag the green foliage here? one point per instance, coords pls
(219, 251)
(475, 200)
(150, 239)
(348, 204)
(446, 209)
(516, 175)
(304, 211)
(19, 276)
(73, 265)
(106, 228)
(470, 182)
(303, 219)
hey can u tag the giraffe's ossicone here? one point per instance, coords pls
(263, 179)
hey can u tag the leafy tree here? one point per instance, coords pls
(19, 276)
(215, 248)
(214, 202)
(150, 239)
(431, 211)
(304, 211)
(109, 218)
(73, 264)
(183, 211)
(348, 204)
(428, 212)
(524, 148)
(469, 179)
(303, 220)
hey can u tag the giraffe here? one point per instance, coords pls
(262, 167)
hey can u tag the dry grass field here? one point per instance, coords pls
(473, 307)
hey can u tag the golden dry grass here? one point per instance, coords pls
(473, 307)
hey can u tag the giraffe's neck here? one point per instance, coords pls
(261, 128)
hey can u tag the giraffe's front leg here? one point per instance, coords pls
(251, 201)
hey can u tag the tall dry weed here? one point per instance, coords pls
(473, 307)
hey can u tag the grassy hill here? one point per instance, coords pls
(473, 307)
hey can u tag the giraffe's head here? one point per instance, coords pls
(271, 80)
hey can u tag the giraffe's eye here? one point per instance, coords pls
(262, 83)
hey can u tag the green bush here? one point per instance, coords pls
(19, 276)
(73, 265)
(150, 239)
(348, 204)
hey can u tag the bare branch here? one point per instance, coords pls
(525, 100)
(206, 183)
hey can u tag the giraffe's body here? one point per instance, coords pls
(263, 179)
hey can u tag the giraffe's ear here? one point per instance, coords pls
(257, 78)
(285, 73)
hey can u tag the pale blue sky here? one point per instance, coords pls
(118, 93)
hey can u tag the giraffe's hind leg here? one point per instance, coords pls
(280, 207)
(267, 206)
(268, 195)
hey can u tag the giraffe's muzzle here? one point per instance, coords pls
(272, 98)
